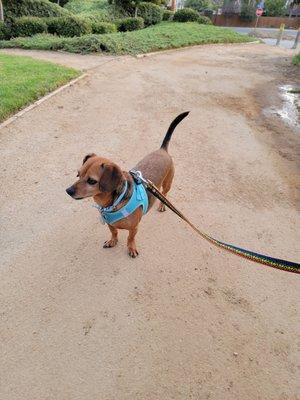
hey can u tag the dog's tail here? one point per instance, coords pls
(171, 129)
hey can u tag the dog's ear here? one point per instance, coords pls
(87, 157)
(111, 178)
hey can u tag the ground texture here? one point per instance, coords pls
(184, 320)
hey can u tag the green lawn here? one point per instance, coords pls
(166, 35)
(296, 59)
(23, 80)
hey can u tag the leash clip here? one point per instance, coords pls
(138, 177)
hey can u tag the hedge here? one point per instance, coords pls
(103, 27)
(34, 8)
(130, 24)
(204, 20)
(168, 15)
(68, 26)
(4, 34)
(28, 26)
(151, 13)
(186, 15)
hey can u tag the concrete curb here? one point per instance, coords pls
(40, 101)
(191, 47)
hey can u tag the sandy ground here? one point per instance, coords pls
(184, 320)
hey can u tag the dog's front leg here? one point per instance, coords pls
(132, 250)
(114, 238)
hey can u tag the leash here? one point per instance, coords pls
(284, 265)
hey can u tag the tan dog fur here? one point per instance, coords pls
(104, 180)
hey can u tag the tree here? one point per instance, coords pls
(248, 10)
(275, 8)
(173, 5)
(231, 7)
(198, 5)
(1, 11)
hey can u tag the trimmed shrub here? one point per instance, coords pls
(34, 8)
(28, 26)
(130, 24)
(204, 20)
(186, 15)
(151, 13)
(68, 26)
(103, 27)
(168, 15)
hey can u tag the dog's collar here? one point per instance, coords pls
(138, 198)
(115, 203)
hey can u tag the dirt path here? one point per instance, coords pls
(184, 320)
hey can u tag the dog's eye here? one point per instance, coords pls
(91, 181)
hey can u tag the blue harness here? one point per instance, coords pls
(138, 198)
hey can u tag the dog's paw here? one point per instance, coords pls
(161, 208)
(110, 243)
(132, 252)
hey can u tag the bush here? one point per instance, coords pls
(68, 26)
(247, 12)
(34, 8)
(28, 26)
(198, 5)
(204, 20)
(4, 31)
(103, 27)
(168, 15)
(151, 13)
(275, 8)
(186, 15)
(130, 24)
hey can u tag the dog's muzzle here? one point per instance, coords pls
(71, 191)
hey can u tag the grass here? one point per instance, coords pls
(24, 80)
(79, 6)
(99, 9)
(296, 59)
(166, 35)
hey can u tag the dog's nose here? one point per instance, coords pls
(71, 191)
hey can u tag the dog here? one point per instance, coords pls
(113, 189)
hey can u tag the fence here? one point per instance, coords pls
(263, 22)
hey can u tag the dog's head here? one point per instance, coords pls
(97, 175)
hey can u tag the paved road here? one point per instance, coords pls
(290, 32)
(287, 44)
(184, 320)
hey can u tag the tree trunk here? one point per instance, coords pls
(173, 5)
(1, 11)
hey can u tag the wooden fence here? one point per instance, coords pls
(263, 22)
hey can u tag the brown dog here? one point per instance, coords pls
(103, 180)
